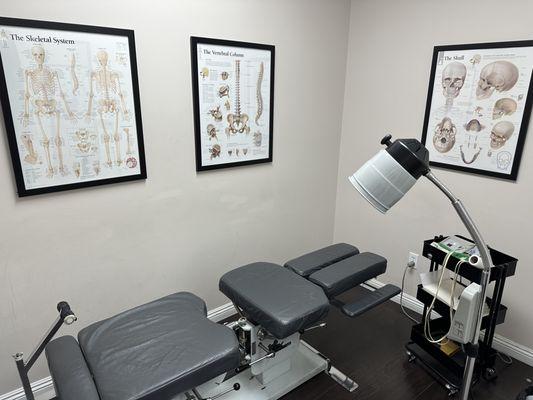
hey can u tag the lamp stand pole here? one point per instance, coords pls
(485, 279)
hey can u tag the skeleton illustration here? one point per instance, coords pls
(110, 101)
(96, 167)
(224, 75)
(215, 151)
(118, 153)
(476, 59)
(237, 152)
(212, 132)
(498, 75)
(245, 151)
(230, 152)
(478, 111)
(474, 126)
(223, 91)
(258, 138)
(204, 73)
(501, 133)
(73, 76)
(237, 121)
(216, 114)
(227, 104)
(42, 85)
(259, 94)
(444, 137)
(503, 107)
(32, 156)
(503, 160)
(76, 166)
(453, 79)
(128, 141)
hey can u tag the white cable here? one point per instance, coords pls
(427, 321)
(401, 298)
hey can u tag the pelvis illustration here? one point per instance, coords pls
(238, 123)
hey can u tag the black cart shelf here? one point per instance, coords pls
(448, 370)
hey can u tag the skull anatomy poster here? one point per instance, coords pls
(70, 103)
(478, 108)
(233, 90)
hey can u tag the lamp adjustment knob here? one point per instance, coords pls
(386, 140)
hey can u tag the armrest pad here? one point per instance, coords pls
(348, 273)
(71, 376)
(371, 300)
(311, 262)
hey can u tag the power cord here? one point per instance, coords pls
(407, 267)
(505, 358)
(427, 321)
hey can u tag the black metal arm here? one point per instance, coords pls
(67, 317)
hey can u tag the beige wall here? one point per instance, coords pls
(113, 247)
(389, 59)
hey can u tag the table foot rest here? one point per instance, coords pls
(371, 300)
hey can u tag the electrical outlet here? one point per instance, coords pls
(412, 262)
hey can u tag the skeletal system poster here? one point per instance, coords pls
(71, 101)
(479, 108)
(233, 107)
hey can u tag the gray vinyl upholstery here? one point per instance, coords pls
(69, 371)
(348, 273)
(309, 263)
(275, 298)
(158, 350)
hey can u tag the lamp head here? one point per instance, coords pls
(385, 178)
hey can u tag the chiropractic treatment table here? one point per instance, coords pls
(169, 349)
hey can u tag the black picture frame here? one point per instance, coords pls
(528, 98)
(9, 119)
(195, 41)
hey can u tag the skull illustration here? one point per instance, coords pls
(504, 107)
(498, 75)
(444, 137)
(503, 160)
(102, 57)
(474, 126)
(453, 79)
(38, 54)
(501, 132)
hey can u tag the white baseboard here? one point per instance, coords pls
(501, 344)
(44, 388)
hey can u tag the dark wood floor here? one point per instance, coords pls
(370, 349)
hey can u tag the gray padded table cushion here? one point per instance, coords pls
(69, 371)
(348, 273)
(275, 298)
(309, 263)
(158, 350)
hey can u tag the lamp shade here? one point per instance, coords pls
(387, 177)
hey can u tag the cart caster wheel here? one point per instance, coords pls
(490, 374)
(451, 391)
(410, 357)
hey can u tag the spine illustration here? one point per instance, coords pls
(237, 122)
(259, 94)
